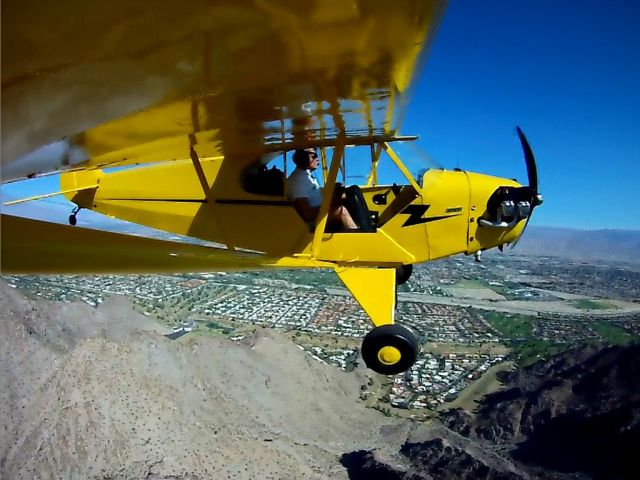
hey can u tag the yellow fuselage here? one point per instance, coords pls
(437, 222)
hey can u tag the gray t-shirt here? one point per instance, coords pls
(302, 184)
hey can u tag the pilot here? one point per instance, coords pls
(306, 195)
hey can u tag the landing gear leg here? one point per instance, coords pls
(388, 348)
(73, 218)
(403, 272)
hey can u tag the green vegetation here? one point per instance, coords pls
(612, 334)
(385, 411)
(316, 276)
(585, 304)
(517, 331)
(506, 290)
(216, 326)
(513, 327)
(534, 349)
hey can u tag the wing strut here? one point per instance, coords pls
(207, 192)
(201, 175)
(327, 196)
(402, 167)
(372, 180)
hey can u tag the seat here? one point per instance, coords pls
(261, 180)
(357, 206)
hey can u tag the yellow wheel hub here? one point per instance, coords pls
(389, 355)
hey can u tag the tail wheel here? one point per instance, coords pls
(73, 219)
(390, 349)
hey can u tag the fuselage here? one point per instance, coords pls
(411, 226)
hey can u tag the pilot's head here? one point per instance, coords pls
(306, 159)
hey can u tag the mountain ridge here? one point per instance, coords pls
(612, 245)
(118, 399)
(102, 393)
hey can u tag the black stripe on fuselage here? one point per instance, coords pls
(222, 201)
(173, 200)
(416, 213)
(275, 203)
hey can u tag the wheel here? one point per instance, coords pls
(390, 349)
(403, 272)
(72, 219)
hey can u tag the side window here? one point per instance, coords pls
(266, 176)
(359, 167)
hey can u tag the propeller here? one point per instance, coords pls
(535, 198)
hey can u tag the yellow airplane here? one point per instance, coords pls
(197, 104)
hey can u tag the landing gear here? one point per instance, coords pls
(390, 349)
(403, 272)
(73, 219)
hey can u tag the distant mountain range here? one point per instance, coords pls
(607, 245)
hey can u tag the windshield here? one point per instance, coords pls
(359, 169)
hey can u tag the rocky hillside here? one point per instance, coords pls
(102, 393)
(579, 412)
(576, 416)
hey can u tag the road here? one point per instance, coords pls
(524, 307)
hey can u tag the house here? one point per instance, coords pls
(189, 325)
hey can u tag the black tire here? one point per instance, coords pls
(72, 220)
(399, 337)
(403, 273)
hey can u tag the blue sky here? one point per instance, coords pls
(567, 72)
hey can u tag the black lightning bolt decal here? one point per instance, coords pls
(416, 213)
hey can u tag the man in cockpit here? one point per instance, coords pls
(306, 195)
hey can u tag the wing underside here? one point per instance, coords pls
(122, 83)
(100, 84)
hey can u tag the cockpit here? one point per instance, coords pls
(362, 165)
(372, 182)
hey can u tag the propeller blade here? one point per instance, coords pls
(532, 170)
(532, 174)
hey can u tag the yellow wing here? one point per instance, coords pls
(120, 82)
(34, 246)
(125, 82)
